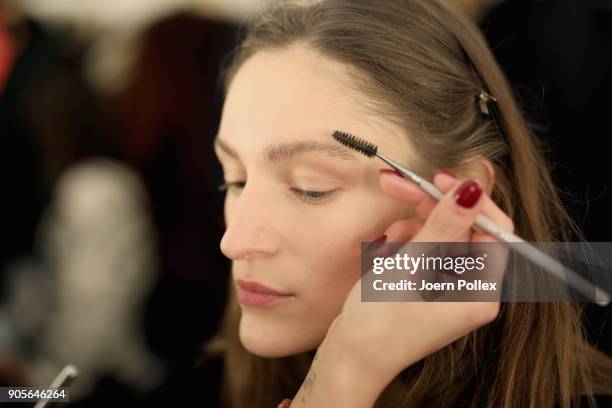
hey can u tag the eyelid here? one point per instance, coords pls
(303, 195)
(226, 185)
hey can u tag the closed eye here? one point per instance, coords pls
(228, 184)
(312, 196)
(308, 196)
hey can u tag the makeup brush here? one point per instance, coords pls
(528, 250)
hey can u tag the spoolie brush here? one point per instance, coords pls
(371, 150)
(537, 256)
(355, 143)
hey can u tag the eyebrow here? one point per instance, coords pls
(287, 150)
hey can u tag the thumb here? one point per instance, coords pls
(454, 215)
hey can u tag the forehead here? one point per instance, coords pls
(294, 92)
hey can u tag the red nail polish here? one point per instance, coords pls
(467, 194)
(447, 172)
(376, 243)
(286, 403)
(391, 171)
(380, 239)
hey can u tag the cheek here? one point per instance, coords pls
(322, 285)
(328, 247)
(332, 269)
(332, 256)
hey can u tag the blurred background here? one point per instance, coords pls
(110, 215)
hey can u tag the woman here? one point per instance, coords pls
(404, 74)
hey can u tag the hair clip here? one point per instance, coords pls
(486, 102)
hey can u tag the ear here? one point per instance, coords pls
(483, 172)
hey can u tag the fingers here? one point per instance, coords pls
(454, 215)
(407, 191)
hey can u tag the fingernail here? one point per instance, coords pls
(380, 239)
(467, 194)
(391, 171)
(285, 403)
(376, 243)
(447, 172)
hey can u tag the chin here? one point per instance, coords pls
(274, 342)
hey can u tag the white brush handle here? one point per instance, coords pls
(537, 256)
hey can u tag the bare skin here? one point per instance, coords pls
(297, 213)
(365, 348)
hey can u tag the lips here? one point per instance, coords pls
(252, 293)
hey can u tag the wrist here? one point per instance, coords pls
(338, 377)
(367, 353)
(352, 366)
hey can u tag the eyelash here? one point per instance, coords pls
(305, 195)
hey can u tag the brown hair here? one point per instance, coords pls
(421, 66)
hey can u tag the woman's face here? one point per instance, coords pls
(303, 203)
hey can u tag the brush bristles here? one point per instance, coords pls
(355, 143)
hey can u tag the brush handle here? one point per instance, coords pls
(528, 250)
(482, 221)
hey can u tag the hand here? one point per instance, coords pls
(387, 337)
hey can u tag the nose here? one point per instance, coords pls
(250, 226)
